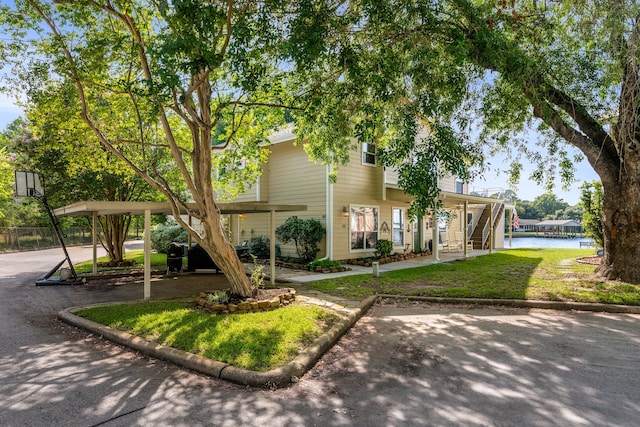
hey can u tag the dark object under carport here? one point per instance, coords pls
(199, 259)
(175, 252)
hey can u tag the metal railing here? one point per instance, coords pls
(493, 193)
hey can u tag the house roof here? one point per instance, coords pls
(451, 200)
(283, 134)
(526, 221)
(559, 223)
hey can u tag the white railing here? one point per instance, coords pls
(493, 193)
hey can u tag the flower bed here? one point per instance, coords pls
(393, 258)
(265, 300)
(305, 267)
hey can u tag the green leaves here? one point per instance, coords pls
(305, 233)
(591, 200)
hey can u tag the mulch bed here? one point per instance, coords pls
(595, 260)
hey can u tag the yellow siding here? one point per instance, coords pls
(288, 178)
(361, 185)
(447, 183)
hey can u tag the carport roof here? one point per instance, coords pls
(86, 208)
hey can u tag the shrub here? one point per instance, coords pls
(259, 247)
(164, 235)
(383, 248)
(219, 297)
(257, 276)
(305, 233)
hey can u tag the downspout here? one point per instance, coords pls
(328, 216)
(435, 237)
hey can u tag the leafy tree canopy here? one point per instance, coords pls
(169, 77)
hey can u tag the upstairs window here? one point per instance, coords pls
(368, 153)
(459, 186)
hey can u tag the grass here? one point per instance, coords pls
(137, 255)
(255, 341)
(540, 274)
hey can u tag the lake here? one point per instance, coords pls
(543, 242)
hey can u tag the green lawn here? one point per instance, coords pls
(256, 341)
(157, 260)
(539, 274)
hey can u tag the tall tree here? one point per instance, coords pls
(569, 70)
(6, 183)
(73, 166)
(180, 69)
(591, 199)
(549, 205)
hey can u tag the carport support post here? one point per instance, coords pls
(435, 237)
(272, 246)
(94, 240)
(147, 254)
(465, 227)
(491, 228)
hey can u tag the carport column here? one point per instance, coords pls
(147, 254)
(434, 244)
(491, 228)
(272, 245)
(94, 241)
(465, 228)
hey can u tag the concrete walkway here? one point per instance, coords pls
(305, 276)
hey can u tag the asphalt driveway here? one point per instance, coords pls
(402, 364)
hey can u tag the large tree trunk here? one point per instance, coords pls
(114, 229)
(621, 226)
(224, 255)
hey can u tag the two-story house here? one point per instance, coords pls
(364, 205)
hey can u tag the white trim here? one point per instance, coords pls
(375, 155)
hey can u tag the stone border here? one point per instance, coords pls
(279, 377)
(287, 297)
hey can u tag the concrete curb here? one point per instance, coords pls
(549, 305)
(280, 376)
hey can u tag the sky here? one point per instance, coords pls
(494, 180)
(529, 190)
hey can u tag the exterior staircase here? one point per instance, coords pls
(480, 236)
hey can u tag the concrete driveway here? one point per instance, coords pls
(402, 364)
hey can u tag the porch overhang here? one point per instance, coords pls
(449, 200)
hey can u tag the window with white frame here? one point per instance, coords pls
(364, 227)
(368, 153)
(398, 226)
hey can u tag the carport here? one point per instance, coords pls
(101, 208)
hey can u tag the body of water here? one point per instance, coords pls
(544, 242)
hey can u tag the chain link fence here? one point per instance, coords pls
(29, 238)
